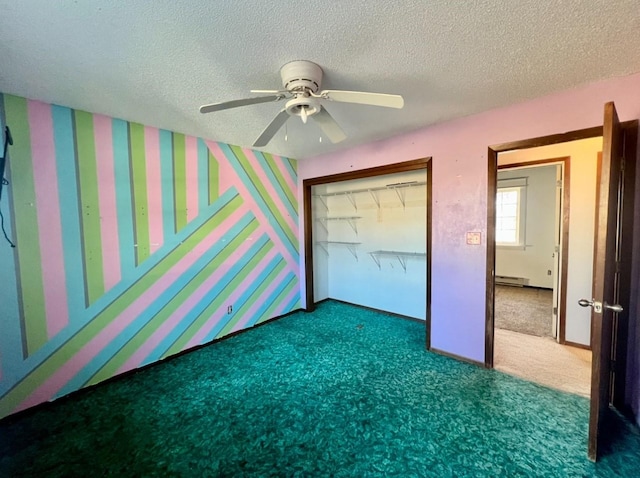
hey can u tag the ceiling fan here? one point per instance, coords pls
(301, 81)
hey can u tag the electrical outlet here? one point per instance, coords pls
(229, 309)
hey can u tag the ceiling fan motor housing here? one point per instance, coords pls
(301, 75)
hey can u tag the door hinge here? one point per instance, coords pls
(555, 311)
(622, 163)
(559, 183)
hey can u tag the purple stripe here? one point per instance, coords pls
(255, 209)
(268, 185)
(103, 134)
(168, 325)
(212, 321)
(45, 179)
(103, 339)
(191, 159)
(242, 323)
(154, 188)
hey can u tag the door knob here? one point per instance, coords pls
(616, 307)
(598, 306)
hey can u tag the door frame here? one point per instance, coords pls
(630, 129)
(565, 161)
(307, 185)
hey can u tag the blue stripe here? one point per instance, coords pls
(243, 300)
(274, 181)
(66, 168)
(272, 297)
(293, 173)
(293, 302)
(154, 308)
(203, 175)
(267, 302)
(255, 194)
(124, 206)
(210, 296)
(11, 336)
(166, 174)
(66, 334)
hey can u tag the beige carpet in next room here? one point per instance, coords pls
(542, 360)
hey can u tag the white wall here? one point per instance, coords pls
(582, 202)
(535, 260)
(392, 226)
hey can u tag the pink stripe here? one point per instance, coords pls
(168, 325)
(226, 176)
(237, 183)
(89, 351)
(285, 173)
(201, 335)
(191, 157)
(103, 136)
(268, 185)
(45, 179)
(242, 323)
(281, 308)
(154, 187)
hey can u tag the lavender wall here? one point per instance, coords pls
(459, 152)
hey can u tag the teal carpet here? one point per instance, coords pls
(340, 392)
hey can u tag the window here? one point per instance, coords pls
(510, 216)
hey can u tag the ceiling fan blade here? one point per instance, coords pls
(329, 126)
(363, 98)
(272, 129)
(236, 103)
(269, 92)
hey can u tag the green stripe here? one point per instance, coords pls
(265, 196)
(214, 178)
(89, 205)
(43, 371)
(255, 295)
(180, 180)
(218, 302)
(281, 180)
(141, 337)
(276, 303)
(139, 192)
(22, 189)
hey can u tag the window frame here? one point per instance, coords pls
(520, 217)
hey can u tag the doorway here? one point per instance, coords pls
(613, 235)
(337, 235)
(544, 263)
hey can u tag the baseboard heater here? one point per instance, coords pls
(512, 281)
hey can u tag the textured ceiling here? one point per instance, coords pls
(156, 62)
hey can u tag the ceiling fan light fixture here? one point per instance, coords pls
(303, 107)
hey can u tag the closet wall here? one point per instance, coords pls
(370, 239)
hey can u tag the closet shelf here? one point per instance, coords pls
(399, 188)
(400, 255)
(351, 246)
(351, 220)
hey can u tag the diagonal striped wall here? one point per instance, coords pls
(131, 244)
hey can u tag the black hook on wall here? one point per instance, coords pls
(8, 140)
